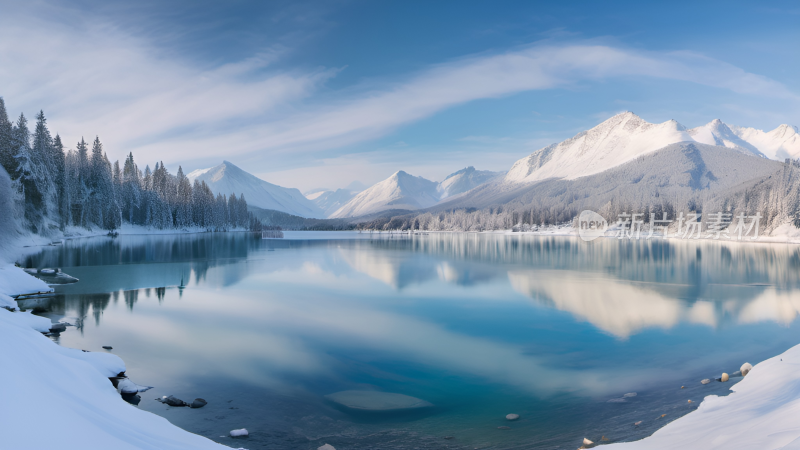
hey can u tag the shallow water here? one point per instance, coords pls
(551, 328)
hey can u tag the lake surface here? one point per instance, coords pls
(480, 325)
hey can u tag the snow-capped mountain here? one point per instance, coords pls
(399, 191)
(226, 178)
(717, 133)
(330, 201)
(465, 180)
(404, 191)
(781, 143)
(707, 174)
(620, 139)
(612, 143)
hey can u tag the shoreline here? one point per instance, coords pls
(69, 389)
(713, 409)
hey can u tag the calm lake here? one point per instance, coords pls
(554, 329)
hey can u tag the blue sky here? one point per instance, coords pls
(318, 94)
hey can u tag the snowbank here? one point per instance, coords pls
(14, 281)
(761, 413)
(52, 395)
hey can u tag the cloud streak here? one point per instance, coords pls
(94, 78)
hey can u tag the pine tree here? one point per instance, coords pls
(60, 179)
(46, 165)
(183, 217)
(82, 194)
(244, 215)
(27, 172)
(7, 150)
(131, 188)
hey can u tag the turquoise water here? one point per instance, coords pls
(551, 328)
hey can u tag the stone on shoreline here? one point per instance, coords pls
(172, 401)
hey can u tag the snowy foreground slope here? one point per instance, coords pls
(227, 178)
(57, 396)
(761, 413)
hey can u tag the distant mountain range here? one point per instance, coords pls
(625, 137)
(227, 178)
(653, 158)
(407, 192)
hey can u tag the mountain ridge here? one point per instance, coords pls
(227, 178)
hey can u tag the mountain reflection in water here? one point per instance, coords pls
(480, 325)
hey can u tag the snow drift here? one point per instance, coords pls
(760, 413)
(67, 393)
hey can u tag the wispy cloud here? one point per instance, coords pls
(94, 78)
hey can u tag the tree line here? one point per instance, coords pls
(58, 188)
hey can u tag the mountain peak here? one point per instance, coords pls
(462, 171)
(616, 141)
(226, 178)
(400, 191)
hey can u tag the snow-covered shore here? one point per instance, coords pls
(57, 396)
(761, 413)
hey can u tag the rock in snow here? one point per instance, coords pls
(126, 386)
(239, 432)
(173, 401)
